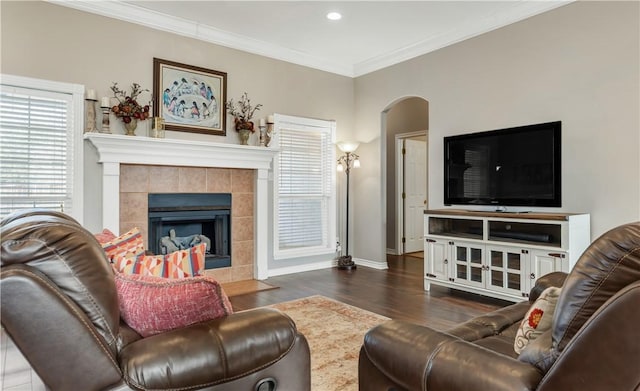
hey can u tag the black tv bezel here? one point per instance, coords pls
(556, 201)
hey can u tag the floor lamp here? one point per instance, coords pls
(345, 163)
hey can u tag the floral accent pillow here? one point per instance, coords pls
(178, 264)
(538, 319)
(152, 305)
(129, 244)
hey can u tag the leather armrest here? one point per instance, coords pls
(492, 323)
(548, 280)
(419, 358)
(209, 353)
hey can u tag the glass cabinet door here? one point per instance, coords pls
(468, 261)
(507, 269)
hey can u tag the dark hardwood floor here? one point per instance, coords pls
(396, 293)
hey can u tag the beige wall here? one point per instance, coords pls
(578, 64)
(48, 41)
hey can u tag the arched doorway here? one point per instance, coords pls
(404, 121)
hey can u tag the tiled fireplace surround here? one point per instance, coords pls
(137, 181)
(133, 167)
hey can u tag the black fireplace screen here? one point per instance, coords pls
(183, 220)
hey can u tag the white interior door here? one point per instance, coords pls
(415, 187)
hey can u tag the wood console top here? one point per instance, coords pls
(511, 215)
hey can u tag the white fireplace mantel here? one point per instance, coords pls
(114, 150)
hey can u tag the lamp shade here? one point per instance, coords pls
(348, 146)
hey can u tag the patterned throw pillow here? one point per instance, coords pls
(129, 244)
(178, 264)
(538, 319)
(152, 305)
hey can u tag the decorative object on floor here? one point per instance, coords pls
(345, 163)
(189, 98)
(90, 101)
(242, 113)
(335, 332)
(105, 106)
(128, 109)
(239, 288)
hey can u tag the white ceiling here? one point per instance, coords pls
(371, 34)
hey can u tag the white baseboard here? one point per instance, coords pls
(324, 265)
(371, 264)
(301, 268)
(393, 251)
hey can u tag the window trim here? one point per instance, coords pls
(77, 105)
(310, 124)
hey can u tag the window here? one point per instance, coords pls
(40, 145)
(304, 187)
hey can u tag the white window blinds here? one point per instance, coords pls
(305, 189)
(36, 149)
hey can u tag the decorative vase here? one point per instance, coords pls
(244, 136)
(131, 127)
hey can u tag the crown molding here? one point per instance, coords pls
(158, 21)
(520, 11)
(134, 14)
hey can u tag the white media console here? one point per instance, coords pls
(500, 254)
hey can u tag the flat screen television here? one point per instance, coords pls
(518, 166)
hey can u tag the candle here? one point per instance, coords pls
(270, 119)
(106, 102)
(91, 94)
(262, 122)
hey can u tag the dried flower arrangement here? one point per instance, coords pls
(128, 107)
(242, 112)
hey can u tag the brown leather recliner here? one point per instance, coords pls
(593, 344)
(60, 307)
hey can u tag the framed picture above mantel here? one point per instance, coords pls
(189, 98)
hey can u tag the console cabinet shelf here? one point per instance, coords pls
(500, 254)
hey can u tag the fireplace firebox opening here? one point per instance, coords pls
(182, 220)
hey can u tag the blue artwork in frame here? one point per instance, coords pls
(189, 98)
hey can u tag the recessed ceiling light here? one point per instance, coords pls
(334, 16)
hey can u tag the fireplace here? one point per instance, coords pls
(195, 167)
(182, 220)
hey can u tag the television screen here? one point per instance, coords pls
(507, 167)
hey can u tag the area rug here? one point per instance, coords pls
(335, 332)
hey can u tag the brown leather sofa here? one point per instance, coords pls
(59, 306)
(593, 344)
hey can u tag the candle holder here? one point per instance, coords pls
(105, 120)
(268, 134)
(263, 135)
(91, 115)
(157, 127)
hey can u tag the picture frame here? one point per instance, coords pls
(190, 98)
